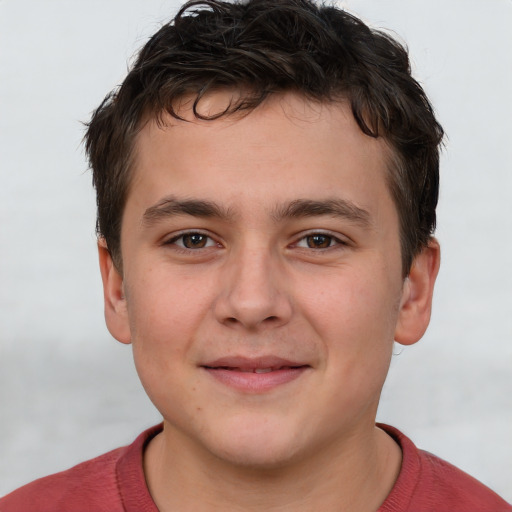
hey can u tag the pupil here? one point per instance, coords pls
(194, 241)
(319, 241)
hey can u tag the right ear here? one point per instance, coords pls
(116, 312)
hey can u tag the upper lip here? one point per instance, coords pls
(253, 363)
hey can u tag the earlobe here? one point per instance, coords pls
(418, 289)
(116, 313)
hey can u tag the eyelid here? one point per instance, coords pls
(339, 239)
(172, 239)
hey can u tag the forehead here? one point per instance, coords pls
(287, 147)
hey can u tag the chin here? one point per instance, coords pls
(256, 457)
(257, 446)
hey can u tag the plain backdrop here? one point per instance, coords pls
(69, 392)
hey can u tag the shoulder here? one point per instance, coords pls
(100, 484)
(451, 485)
(92, 482)
(427, 482)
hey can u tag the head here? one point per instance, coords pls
(266, 174)
(258, 49)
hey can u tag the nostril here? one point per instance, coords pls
(233, 321)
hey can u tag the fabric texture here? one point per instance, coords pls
(114, 482)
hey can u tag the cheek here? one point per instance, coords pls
(158, 325)
(352, 306)
(162, 334)
(355, 316)
(166, 311)
(165, 307)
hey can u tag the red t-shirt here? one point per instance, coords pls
(115, 482)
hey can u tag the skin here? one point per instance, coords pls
(325, 290)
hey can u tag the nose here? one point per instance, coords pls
(253, 292)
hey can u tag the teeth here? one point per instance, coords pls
(262, 370)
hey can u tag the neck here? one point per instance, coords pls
(355, 475)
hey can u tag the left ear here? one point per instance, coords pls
(416, 302)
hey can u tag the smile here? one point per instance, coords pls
(254, 370)
(254, 375)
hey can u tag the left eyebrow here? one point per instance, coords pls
(333, 207)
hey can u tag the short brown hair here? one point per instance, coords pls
(263, 47)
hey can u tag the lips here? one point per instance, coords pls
(256, 365)
(255, 374)
(255, 370)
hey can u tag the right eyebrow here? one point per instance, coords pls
(171, 207)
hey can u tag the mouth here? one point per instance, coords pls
(255, 375)
(255, 370)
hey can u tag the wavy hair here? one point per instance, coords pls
(261, 47)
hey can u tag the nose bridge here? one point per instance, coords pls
(252, 292)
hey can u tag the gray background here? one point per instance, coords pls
(68, 392)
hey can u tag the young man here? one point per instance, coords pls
(267, 178)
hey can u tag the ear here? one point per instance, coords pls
(416, 302)
(116, 313)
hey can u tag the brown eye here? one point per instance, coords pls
(194, 241)
(318, 241)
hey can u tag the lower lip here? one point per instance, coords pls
(256, 382)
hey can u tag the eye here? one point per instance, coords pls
(318, 241)
(192, 241)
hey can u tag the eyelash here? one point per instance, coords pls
(210, 242)
(332, 240)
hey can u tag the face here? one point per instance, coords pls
(262, 284)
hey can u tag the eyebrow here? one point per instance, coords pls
(299, 208)
(336, 207)
(170, 207)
